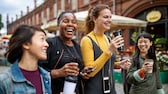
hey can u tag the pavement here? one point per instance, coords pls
(118, 85)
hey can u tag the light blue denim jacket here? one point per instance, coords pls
(13, 82)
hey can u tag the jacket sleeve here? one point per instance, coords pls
(133, 74)
(5, 84)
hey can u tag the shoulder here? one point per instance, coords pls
(4, 75)
(5, 78)
(52, 40)
(86, 39)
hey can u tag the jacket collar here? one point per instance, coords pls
(19, 77)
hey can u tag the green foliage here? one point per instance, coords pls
(134, 36)
(161, 40)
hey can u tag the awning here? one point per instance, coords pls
(50, 26)
(118, 22)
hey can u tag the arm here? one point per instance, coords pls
(88, 56)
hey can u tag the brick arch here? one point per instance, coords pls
(142, 5)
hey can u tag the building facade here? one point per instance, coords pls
(155, 12)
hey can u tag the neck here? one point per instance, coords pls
(29, 63)
(97, 31)
(143, 55)
(67, 41)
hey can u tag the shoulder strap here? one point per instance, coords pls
(62, 51)
(58, 44)
(97, 50)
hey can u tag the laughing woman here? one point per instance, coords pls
(26, 46)
(143, 76)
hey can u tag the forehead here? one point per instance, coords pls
(143, 39)
(68, 15)
(39, 33)
(105, 12)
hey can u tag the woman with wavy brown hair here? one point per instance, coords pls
(98, 51)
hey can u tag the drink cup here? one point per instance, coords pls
(69, 87)
(117, 33)
(150, 61)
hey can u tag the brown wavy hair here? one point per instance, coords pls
(94, 12)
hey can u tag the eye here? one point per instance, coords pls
(74, 21)
(106, 16)
(65, 21)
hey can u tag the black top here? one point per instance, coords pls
(70, 54)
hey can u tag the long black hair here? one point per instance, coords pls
(22, 34)
(151, 52)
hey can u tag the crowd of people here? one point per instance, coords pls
(42, 65)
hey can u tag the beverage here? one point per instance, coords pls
(70, 84)
(117, 33)
(149, 61)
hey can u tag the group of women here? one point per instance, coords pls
(91, 62)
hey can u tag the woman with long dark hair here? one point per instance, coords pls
(143, 76)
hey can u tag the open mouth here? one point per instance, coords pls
(69, 30)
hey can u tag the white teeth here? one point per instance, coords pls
(44, 51)
(69, 30)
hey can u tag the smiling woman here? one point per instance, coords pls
(64, 59)
(27, 45)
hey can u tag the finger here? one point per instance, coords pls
(72, 64)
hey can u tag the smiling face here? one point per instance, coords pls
(103, 22)
(38, 46)
(67, 26)
(144, 45)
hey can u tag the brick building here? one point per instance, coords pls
(155, 12)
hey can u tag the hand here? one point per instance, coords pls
(86, 71)
(147, 66)
(116, 43)
(125, 64)
(68, 69)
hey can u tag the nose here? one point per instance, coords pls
(46, 44)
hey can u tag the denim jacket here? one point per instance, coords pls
(13, 82)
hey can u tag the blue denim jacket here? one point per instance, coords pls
(13, 82)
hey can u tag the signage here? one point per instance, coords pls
(153, 16)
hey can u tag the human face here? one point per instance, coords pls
(144, 45)
(103, 22)
(68, 26)
(38, 46)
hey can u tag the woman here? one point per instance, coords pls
(64, 56)
(143, 82)
(98, 51)
(26, 46)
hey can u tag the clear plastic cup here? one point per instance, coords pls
(149, 61)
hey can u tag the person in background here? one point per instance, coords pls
(64, 56)
(26, 46)
(98, 51)
(143, 82)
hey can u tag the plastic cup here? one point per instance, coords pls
(69, 87)
(150, 61)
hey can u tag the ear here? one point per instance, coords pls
(151, 43)
(26, 45)
(94, 19)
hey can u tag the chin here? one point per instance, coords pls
(43, 58)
